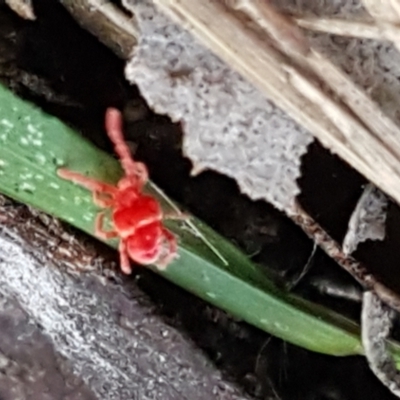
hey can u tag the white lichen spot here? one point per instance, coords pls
(88, 217)
(39, 177)
(63, 199)
(27, 187)
(281, 327)
(40, 158)
(3, 137)
(54, 185)
(31, 128)
(24, 141)
(59, 162)
(2, 163)
(70, 219)
(77, 200)
(26, 176)
(37, 142)
(35, 133)
(7, 123)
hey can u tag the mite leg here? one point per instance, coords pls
(99, 230)
(114, 130)
(124, 258)
(102, 199)
(142, 174)
(172, 252)
(89, 183)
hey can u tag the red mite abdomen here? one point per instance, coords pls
(144, 246)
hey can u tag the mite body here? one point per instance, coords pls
(137, 218)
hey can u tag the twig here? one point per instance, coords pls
(386, 17)
(351, 265)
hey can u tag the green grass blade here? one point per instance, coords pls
(33, 145)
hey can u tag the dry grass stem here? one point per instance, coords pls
(387, 16)
(308, 87)
(341, 27)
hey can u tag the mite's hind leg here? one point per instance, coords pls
(102, 199)
(171, 252)
(124, 258)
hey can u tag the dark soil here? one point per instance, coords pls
(81, 79)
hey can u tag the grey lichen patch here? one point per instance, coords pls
(368, 221)
(229, 126)
(377, 323)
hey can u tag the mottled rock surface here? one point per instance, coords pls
(59, 323)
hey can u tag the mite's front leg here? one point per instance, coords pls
(113, 124)
(88, 183)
